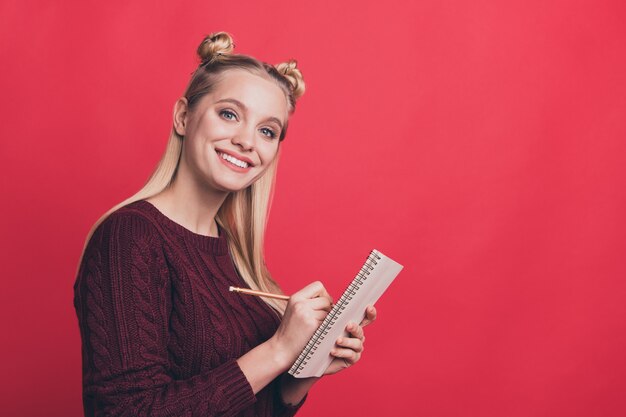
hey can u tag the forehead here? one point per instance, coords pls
(260, 96)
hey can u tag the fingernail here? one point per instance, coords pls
(340, 340)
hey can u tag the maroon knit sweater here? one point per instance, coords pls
(160, 330)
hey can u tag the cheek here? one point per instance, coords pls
(211, 127)
(268, 153)
(197, 152)
(198, 148)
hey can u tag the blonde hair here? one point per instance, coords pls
(244, 213)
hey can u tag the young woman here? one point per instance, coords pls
(161, 333)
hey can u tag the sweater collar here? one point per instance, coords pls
(216, 245)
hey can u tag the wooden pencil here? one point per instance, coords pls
(258, 293)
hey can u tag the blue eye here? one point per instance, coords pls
(229, 115)
(272, 134)
(228, 112)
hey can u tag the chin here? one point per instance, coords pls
(233, 188)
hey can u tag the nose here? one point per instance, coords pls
(244, 138)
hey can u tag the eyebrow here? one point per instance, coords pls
(243, 106)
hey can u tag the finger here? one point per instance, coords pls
(346, 354)
(370, 316)
(313, 290)
(351, 343)
(355, 330)
(319, 303)
(320, 315)
(309, 309)
(327, 295)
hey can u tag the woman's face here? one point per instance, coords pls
(231, 137)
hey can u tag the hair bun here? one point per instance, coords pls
(292, 73)
(215, 44)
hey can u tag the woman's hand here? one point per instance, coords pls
(305, 311)
(348, 350)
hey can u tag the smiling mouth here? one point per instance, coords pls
(233, 160)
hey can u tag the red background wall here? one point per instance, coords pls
(479, 143)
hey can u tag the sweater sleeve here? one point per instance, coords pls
(282, 409)
(122, 300)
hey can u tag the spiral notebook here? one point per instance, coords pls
(370, 283)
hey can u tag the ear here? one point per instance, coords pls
(180, 115)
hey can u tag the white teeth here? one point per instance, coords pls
(234, 160)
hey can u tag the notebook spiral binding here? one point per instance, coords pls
(321, 332)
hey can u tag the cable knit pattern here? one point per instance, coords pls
(160, 330)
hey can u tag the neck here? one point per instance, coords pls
(190, 204)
